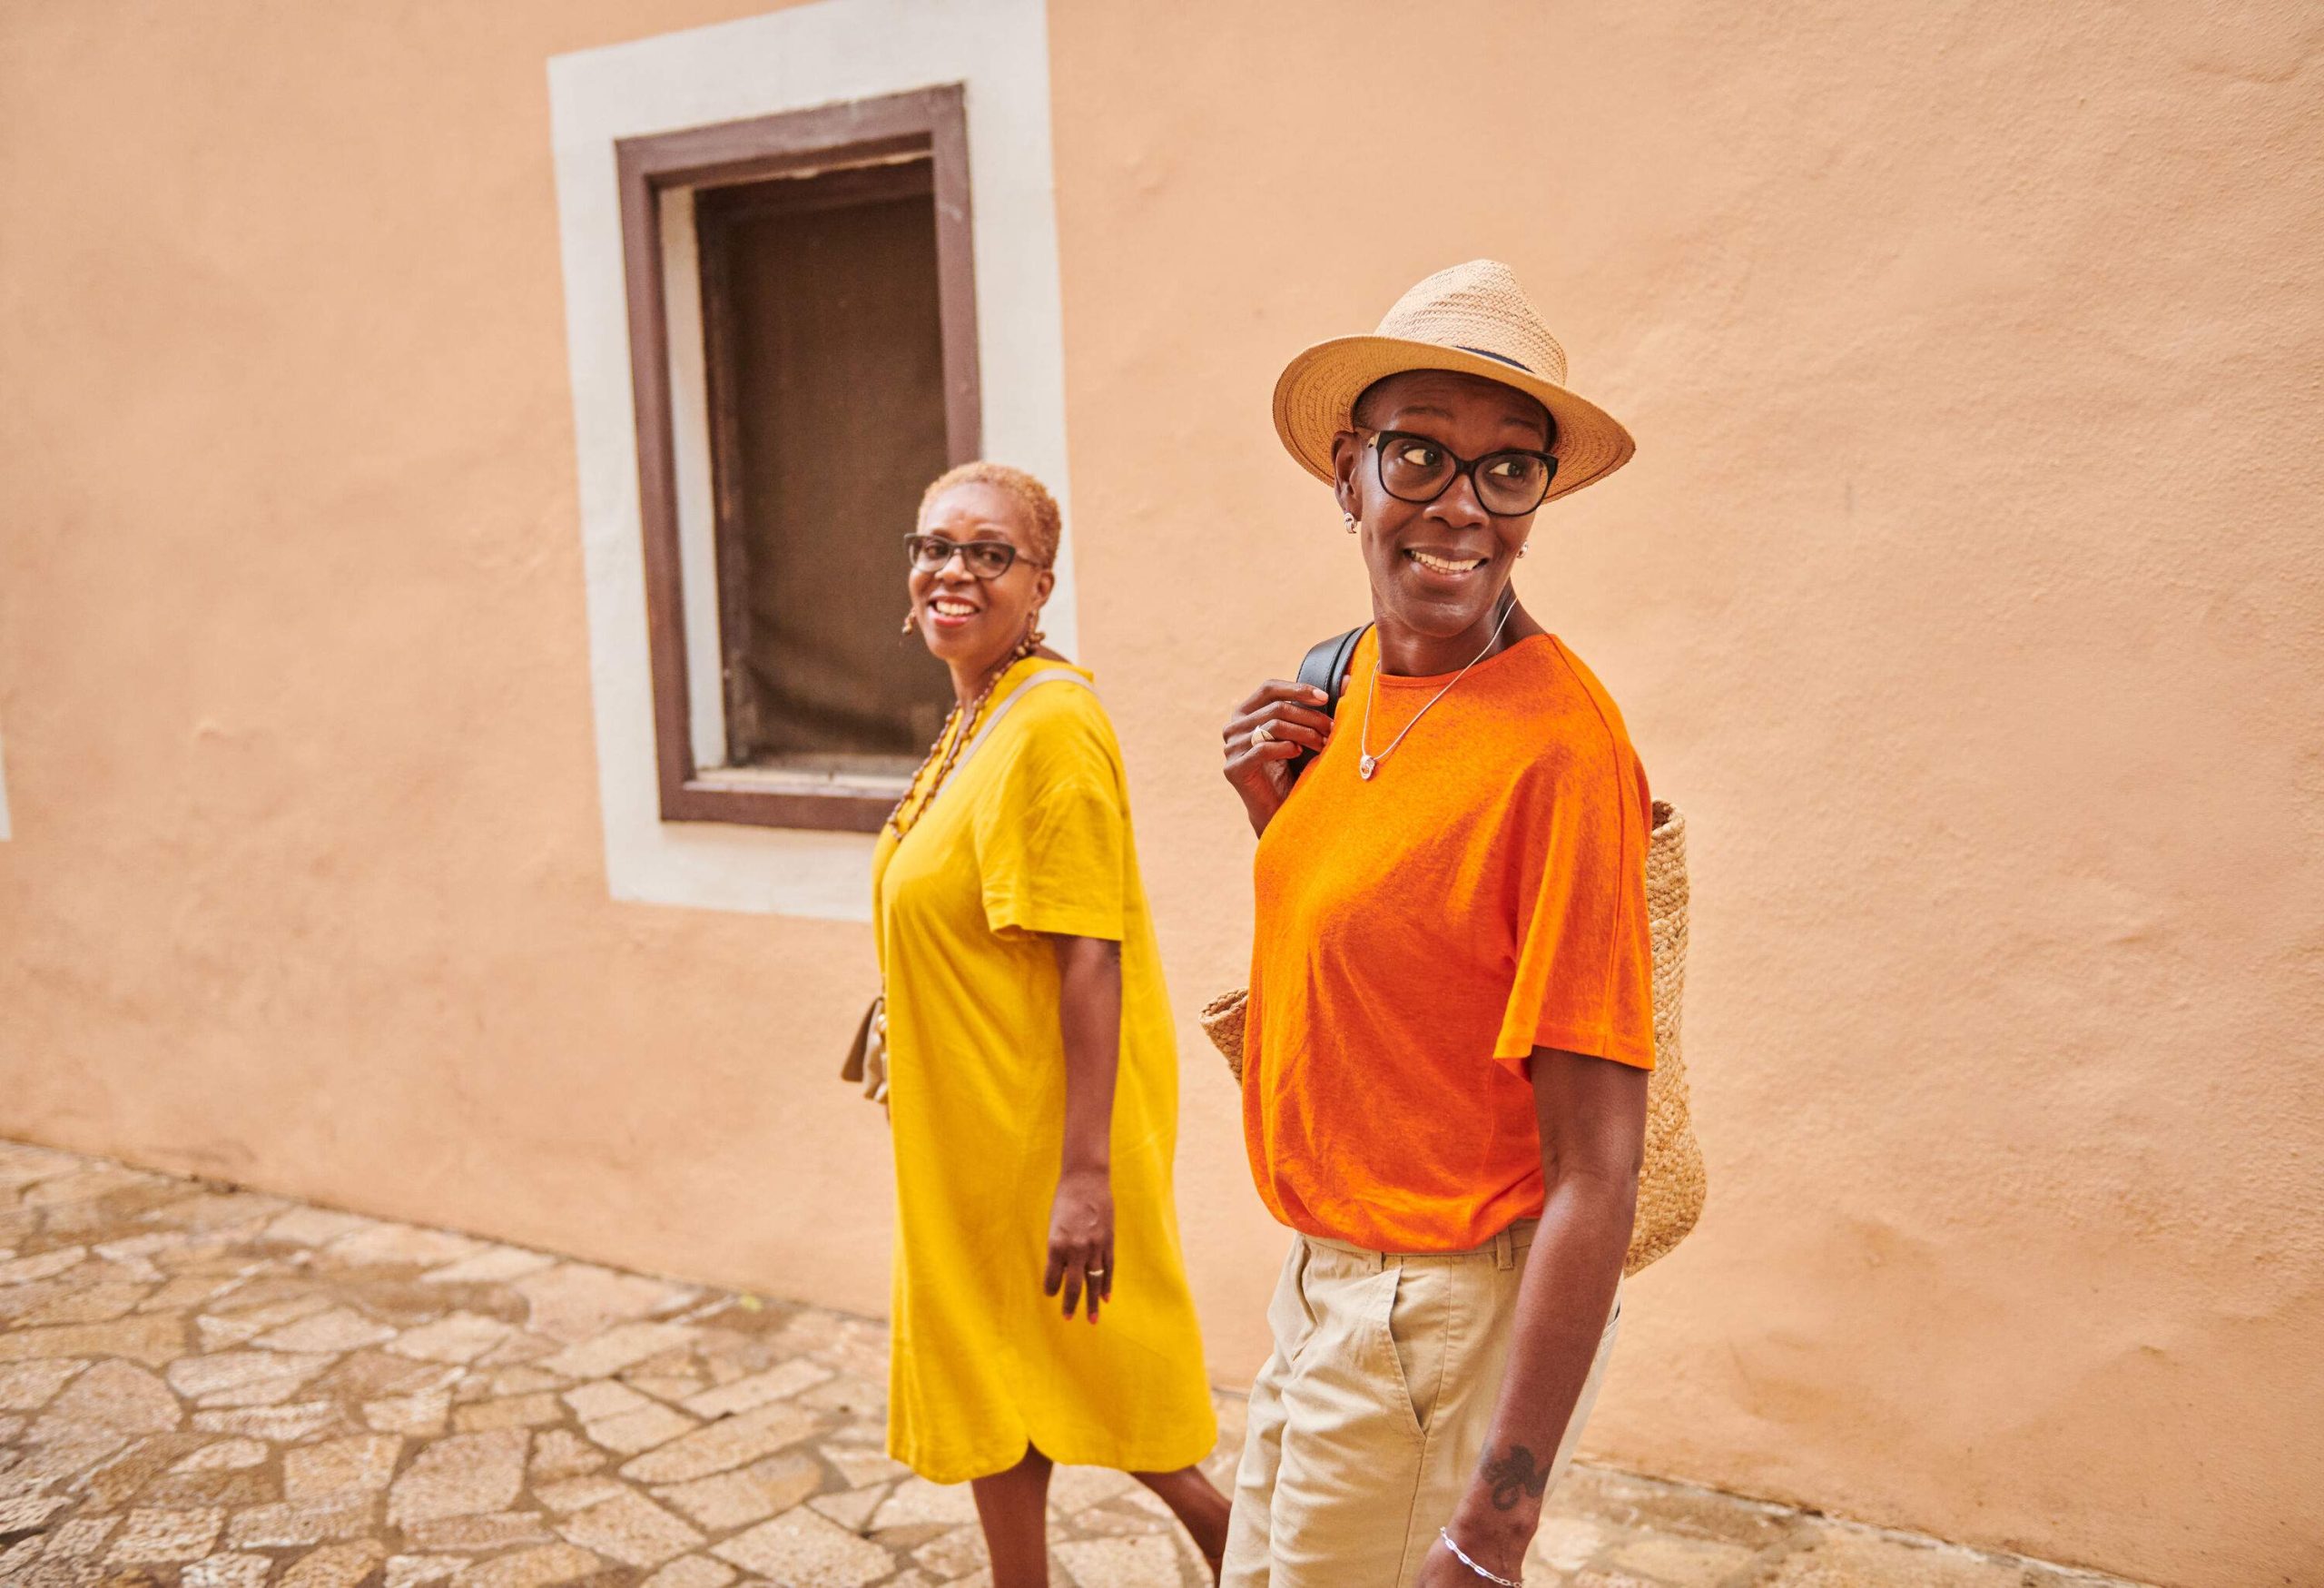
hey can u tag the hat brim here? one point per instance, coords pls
(1315, 397)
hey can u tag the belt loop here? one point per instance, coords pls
(1504, 1250)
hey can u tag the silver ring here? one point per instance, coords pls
(1262, 735)
(1095, 1273)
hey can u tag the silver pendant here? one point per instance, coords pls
(1366, 767)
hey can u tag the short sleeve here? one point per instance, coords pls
(1052, 849)
(1585, 953)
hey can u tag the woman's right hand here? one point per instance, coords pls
(1274, 723)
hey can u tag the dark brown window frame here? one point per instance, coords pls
(928, 122)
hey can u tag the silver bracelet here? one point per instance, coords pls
(1462, 1556)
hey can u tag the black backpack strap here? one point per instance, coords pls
(1324, 668)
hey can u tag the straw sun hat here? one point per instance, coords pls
(1472, 318)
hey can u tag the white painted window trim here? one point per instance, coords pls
(794, 59)
(691, 476)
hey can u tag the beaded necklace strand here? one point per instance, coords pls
(948, 743)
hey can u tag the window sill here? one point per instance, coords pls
(766, 797)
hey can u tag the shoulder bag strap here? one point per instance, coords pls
(992, 719)
(1324, 668)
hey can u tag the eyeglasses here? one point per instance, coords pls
(1508, 484)
(984, 559)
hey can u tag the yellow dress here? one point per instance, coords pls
(1030, 834)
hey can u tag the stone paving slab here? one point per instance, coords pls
(206, 1388)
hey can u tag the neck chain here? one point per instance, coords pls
(1368, 763)
(948, 743)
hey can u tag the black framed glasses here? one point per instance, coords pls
(984, 559)
(1508, 484)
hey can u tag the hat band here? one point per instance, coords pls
(1497, 358)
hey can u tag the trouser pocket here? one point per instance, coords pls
(1350, 1452)
(1422, 1325)
(1290, 1318)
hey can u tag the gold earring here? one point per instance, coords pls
(912, 621)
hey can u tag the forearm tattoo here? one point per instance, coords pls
(1514, 1477)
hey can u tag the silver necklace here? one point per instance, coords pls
(1367, 763)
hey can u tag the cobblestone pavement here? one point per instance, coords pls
(211, 1389)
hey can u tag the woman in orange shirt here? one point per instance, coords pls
(1450, 1017)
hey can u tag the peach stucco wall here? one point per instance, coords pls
(1966, 592)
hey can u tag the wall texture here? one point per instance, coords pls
(1966, 592)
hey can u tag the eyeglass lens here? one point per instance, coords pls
(986, 559)
(1413, 468)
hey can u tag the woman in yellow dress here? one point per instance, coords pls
(1042, 1309)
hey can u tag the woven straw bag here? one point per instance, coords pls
(1671, 1182)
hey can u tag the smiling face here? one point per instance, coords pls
(970, 624)
(1438, 568)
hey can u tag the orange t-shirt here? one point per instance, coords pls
(1420, 934)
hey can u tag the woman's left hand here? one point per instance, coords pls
(1081, 1240)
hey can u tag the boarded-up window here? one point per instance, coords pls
(837, 377)
(825, 341)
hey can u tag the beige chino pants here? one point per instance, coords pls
(1368, 1421)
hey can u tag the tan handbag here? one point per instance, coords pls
(1671, 1182)
(867, 1058)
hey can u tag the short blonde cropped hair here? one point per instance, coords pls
(1042, 515)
